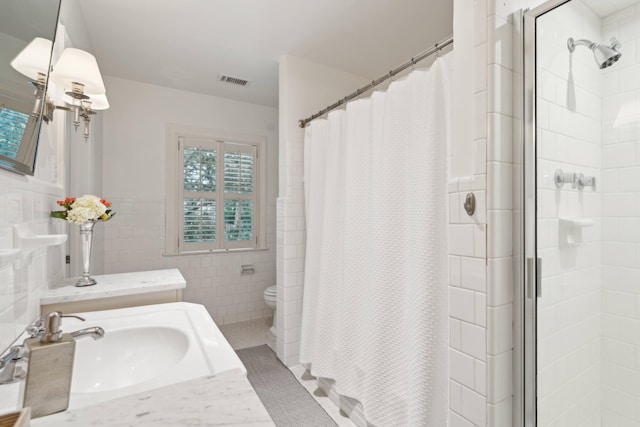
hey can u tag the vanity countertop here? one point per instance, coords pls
(226, 399)
(116, 285)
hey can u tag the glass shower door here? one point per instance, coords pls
(587, 214)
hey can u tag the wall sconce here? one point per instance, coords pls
(85, 108)
(76, 72)
(33, 62)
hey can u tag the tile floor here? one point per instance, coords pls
(249, 334)
(256, 332)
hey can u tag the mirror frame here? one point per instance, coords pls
(25, 161)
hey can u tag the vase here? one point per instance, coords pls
(86, 236)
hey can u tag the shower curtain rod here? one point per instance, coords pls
(413, 61)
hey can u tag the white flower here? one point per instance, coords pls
(85, 208)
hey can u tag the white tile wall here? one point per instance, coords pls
(29, 200)
(467, 304)
(135, 237)
(568, 314)
(576, 354)
(135, 241)
(621, 226)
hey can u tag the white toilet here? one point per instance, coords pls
(270, 297)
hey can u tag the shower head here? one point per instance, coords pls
(605, 56)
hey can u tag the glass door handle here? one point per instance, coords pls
(534, 282)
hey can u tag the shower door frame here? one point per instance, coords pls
(528, 288)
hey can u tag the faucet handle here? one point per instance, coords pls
(36, 328)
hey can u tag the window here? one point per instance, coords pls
(217, 200)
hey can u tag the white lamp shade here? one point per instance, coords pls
(34, 58)
(78, 66)
(98, 102)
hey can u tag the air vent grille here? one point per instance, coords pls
(233, 80)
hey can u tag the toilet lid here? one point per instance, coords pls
(271, 290)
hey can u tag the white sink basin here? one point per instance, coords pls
(145, 348)
(149, 352)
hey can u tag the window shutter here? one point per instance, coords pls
(199, 220)
(239, 195)
(218, 195)
(199, 167)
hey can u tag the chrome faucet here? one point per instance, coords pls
(95, 332)
(38, 327)
(11, 370)
(47, 328)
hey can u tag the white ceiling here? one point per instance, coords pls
(604, 8)
(26, 19)
(186, 44)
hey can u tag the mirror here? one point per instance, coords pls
(25, 26)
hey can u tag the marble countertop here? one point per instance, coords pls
(226, 399)
(116, 285)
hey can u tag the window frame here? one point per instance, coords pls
(176, 137)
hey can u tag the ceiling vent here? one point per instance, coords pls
(233, 80)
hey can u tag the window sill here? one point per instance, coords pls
(215, 252)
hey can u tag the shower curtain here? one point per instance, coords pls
(375, 306)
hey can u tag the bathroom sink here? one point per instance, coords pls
(145, 348)
(148, 353)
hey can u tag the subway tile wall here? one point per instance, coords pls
(29, 200)
(134, 240)
(569, 138)
(467, 304)
(497, 154)
(571, 306)
(621, 223)
(481, 247)
(291, 252)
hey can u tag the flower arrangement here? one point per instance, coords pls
(83, 209)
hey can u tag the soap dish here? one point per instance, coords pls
(21, 418)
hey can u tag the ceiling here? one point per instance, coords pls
(186, 44)
(604, 8)
(26, 19)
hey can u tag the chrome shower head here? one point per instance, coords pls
(605, 56)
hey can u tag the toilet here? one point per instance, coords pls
(270, 297)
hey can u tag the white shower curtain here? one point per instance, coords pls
(374, 309)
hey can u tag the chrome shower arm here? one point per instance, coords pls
(571, 44)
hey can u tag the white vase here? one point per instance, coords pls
(86, 236)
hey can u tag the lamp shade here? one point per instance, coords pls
(98, 102)
(78, 66)
(34, 58)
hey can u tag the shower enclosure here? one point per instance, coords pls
(581, 204)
